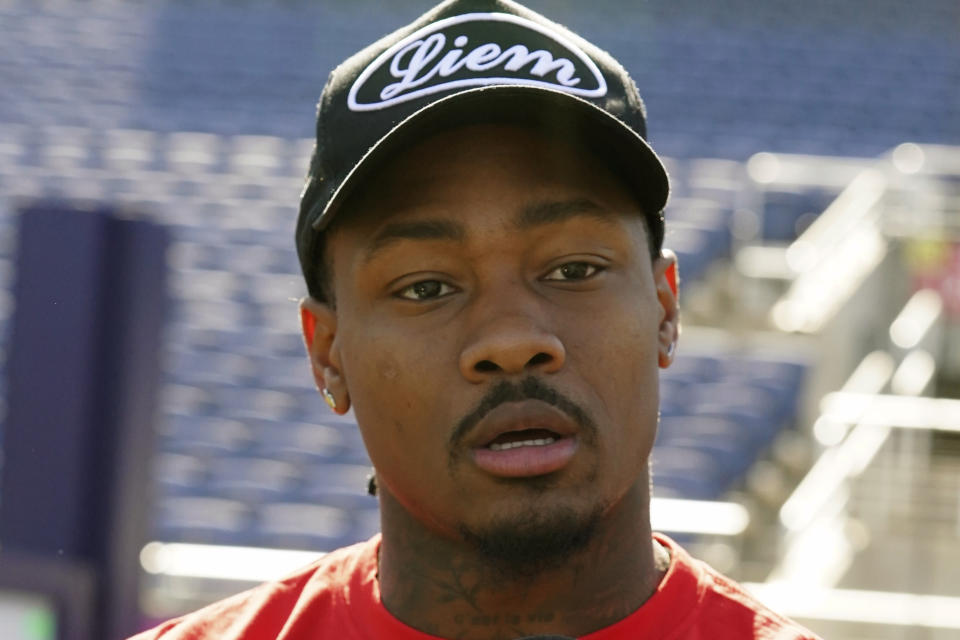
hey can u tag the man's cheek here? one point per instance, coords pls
(388, 368)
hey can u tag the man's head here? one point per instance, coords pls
(494, 286)
(467, 62)
(502, 308)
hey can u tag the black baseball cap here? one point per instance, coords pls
(470, 62)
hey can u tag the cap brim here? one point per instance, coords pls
(552, 111)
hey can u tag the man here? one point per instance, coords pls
(481, 236)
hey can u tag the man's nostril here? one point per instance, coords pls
(486, 366)
(540, 358)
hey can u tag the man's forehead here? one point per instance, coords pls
(417, 226)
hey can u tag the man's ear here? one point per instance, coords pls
(319, 324)
(666, 275)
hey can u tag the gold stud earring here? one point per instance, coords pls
(328, 398)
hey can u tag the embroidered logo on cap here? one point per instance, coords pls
(473, 50)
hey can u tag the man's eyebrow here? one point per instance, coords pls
(393, 232)
(552, 212)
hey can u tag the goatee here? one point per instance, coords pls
(522, 547)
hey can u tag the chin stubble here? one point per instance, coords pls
(525, 546)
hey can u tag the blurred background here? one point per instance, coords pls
(162, 442)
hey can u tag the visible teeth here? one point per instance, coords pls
(539, 442)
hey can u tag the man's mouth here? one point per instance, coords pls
(524, 439)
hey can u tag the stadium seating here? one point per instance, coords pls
(721, 79)
(242, 427)
(199, 115)
(719, 414)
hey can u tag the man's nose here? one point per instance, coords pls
(510, 342)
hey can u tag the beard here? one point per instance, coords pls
(523, 546)
(535, 539)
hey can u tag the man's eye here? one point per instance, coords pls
(425, 290)
(573, 271)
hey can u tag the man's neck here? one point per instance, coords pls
(446, 588)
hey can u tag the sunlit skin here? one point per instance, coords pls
(485, 254)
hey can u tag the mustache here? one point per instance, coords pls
(530, 388)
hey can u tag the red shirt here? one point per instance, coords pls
(339, 597)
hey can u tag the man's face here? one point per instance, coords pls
(498, 327)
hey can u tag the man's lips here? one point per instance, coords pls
(524, 439)
(521, 416)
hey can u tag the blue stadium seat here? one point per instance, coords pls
(302, 444)
(180, 474)
(254, 480)
(205, 435)
(732, 448)
(686, 473)
(204, 520)
(786, 214)
(303, 526)
(368, 521)
(673, 395)
(324, 481)
(694, 368)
